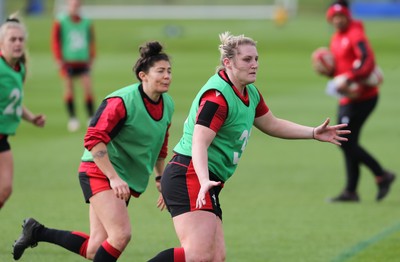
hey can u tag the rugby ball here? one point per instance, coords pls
(341, 80)
(350, 91)
(322, 61)
(375, 78)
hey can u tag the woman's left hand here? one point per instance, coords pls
(331, 134)
(39, 120)
(160, 202)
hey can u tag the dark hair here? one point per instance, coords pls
(150, 53)
(341, 2)
(12, 19)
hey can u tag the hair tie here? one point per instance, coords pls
(12, 20)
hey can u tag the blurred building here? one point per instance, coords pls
(34, 7)
(376, 9)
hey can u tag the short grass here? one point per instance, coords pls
(275, 205)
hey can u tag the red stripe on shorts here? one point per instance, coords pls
(193, 186)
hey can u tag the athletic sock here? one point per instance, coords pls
(69, 103)
(73, 241)
(170, 255)
(106, 253)
(89, 106)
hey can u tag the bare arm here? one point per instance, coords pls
(273, 126)
(37, 120)
(202, 138)
(159, 167)
(158, 170)
(100, 157)
(282, 128)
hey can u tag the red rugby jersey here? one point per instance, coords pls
(349, 46)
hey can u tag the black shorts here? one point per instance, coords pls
(76, 71)
(93, 181)
(180, 187)
(4, 145)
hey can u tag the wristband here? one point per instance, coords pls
(158, 178)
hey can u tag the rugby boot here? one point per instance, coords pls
(346, 196)
(384, 185)
(27, 237)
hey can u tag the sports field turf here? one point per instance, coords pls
(275, 205)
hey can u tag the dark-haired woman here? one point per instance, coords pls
(12, 76)
(125, 141)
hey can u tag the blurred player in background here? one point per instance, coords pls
(215, 135)
(12, 76)
(355, 61)
(73, 46)
(127, 139)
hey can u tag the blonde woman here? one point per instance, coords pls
(216, 133)
(12, 76)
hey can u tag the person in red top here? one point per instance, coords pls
(73, 47)
(355, 61)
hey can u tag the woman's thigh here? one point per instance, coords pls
(200, 233)
(109, 215)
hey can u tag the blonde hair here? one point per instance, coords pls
(229, 46)
(12, 22)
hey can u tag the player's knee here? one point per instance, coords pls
(126, 238)
(5, 194)
(121, 240)
(220, 256)
(91, 251)
(350, 147)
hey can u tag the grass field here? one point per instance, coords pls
(275, 205)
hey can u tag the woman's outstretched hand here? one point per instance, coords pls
(331, 134)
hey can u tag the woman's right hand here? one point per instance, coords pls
(120, 188)
(205, 187)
